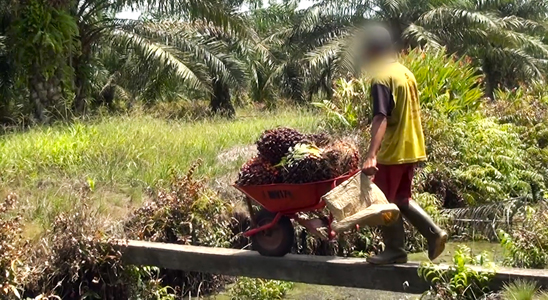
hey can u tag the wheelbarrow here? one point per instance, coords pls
(272, 232)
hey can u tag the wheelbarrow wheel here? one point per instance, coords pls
(276, 241)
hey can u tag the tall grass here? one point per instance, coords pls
(119, 157)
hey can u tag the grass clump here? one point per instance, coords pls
(259, 289)
(522, 290)
(121, 157)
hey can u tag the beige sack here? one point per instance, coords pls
(374, 215)
(359, 201)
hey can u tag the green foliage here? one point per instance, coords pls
(187, 213)
(349, 107)
(504, 42)
(472, 159)
(527, 108)
(259, 289)
(46, 36)
(448, 86)
(477, 160)
(526, 246)
(459, 281)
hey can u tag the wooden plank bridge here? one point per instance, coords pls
(322, 270)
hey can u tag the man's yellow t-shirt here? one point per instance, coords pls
(403, 141)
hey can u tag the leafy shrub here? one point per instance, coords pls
(477, 160)
(75, 260)
(259, 289)
(459, 281)
(187, 213)
(527, 108)
(448, 86)
(349, 107)
(472, 159)
(526, 246)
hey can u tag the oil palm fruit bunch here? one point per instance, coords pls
(274, 144)
(318, 139)
(305, 163)
(342, 157)
(257, 171)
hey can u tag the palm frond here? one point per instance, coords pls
(217, 13)
(162, 56)
(422, 36)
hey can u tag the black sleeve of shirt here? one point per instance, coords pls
(383, 101)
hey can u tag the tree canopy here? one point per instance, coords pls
(61, 58)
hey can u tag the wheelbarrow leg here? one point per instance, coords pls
(251, 213)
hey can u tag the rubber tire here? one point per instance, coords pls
(287, 234)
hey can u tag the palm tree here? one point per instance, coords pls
(185, 42)
(501, 37)
(63, 56)
(203, 56)
(309, 48)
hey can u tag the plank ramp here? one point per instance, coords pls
(322, 270)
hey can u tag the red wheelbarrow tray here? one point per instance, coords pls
(288, 199)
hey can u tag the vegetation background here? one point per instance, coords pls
(103, 117)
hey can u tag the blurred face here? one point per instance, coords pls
(370, 54)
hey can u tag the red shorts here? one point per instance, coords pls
(395, 182)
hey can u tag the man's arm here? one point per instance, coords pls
(383, 103)
(378, 128)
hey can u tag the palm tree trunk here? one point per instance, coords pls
(490, 80)
(4, 113)
(79, 104)
(46, 96)
(221, 103)
(81, 81)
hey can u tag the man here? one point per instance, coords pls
(397, 145)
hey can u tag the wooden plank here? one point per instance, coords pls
(322, 270)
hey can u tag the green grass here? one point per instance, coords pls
(120, 157)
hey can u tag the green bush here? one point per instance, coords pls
(473, 159)
(459, 281)
(477, 160)
(259, 289)
(527, 108)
